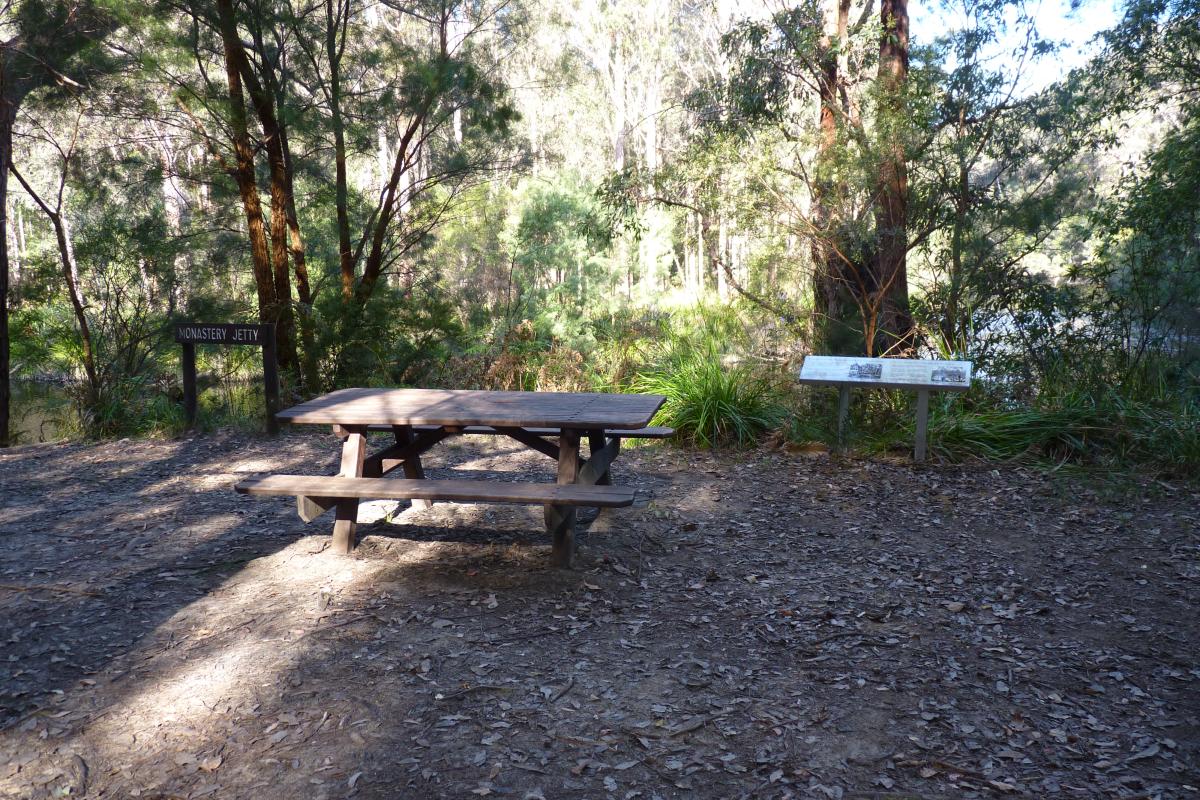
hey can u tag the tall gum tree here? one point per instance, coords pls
(826, 83)
(42, 44)
(891, 207)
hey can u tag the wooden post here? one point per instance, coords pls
(345, 527)
(922, 425)
(270, 378)
(843, 414)
(560, 520)
(189, 384)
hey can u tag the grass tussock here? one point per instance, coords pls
(1112, 433)
(711, 403)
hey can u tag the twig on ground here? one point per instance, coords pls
(12, 587)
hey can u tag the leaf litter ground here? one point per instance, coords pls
(761, 624)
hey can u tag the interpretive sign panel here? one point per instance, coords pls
(887, 373)
(190, 334)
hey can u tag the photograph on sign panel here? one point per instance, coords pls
(866, 372)
(948, 375)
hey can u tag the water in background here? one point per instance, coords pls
(40, 411)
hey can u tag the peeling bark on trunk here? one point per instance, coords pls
(281, 198)
(891, 208)
(243, 169)
(835, 321)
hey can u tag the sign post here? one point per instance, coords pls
(190, 334)
(887, 373)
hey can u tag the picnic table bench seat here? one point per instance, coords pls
(653, 432)
(318, 488)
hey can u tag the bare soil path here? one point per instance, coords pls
(764, 625)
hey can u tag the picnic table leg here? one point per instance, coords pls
(354, 451)
(560, 520)
(413, 470)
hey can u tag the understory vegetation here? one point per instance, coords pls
(681, 199)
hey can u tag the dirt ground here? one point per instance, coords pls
(762, 624)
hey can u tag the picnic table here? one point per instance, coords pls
(551, 423)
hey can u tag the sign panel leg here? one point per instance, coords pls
(843, 414)
(270, 378)
(345, 527)
(560, 520)
(922, 425)
(189, 384)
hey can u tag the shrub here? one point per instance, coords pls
(708, 402)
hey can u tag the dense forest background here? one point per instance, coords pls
(680, 196)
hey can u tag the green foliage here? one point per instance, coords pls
(709, 402)
(574, 247)
(559, 246)
(396, 334)
(1106, 431)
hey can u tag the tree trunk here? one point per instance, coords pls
(281, 197)
(8, 116)
(722, 256)
(836, 319)
(70, 273)
(243, 170)
(891, 209)
(333, 27)
(308, 346)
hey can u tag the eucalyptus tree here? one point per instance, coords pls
(43, 45)
(1001, 169)
(830, 84)
(366, 122)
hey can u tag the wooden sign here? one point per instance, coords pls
(220, 333)
(887, 373)
(190, 334)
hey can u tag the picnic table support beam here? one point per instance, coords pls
(600, 458)
(413, 469)
(400, 454)
(560, 520)
(354, 452)
(922, 425)
(530, 440)
(843, 415)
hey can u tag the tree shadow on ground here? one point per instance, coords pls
(112, 547)
(91, 612)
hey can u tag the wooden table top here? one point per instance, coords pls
(582, 410)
